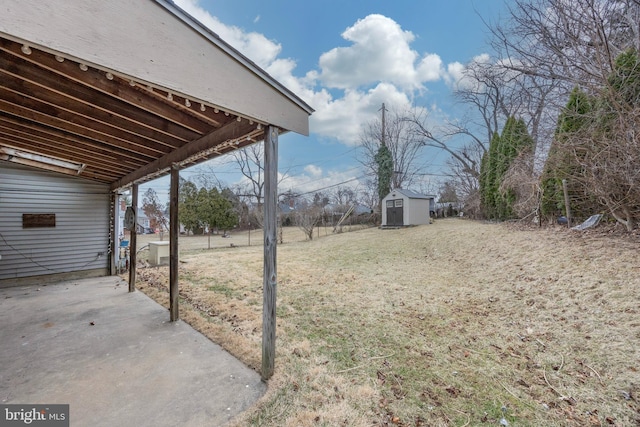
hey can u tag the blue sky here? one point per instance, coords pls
(345, 58)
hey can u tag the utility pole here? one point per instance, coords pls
(384, 131)
(384, 162)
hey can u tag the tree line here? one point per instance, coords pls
(200, 209)
(555, 99)
(577, 70)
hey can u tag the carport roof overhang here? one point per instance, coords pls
(119, 91)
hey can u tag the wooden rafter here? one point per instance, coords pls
(123, 130)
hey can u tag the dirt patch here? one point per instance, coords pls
(455, 323)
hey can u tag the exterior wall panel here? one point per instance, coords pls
(417, 211)
(81, 229)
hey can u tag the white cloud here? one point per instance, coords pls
(462, 76)
(380, 52)
(430, 68)
(254, 45)
(347, 91)
(343, 118)
(455, 74)
(313, 170)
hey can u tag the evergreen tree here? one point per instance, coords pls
(216, 211)
(188, 206)
(612, 156)
(384, 161)
(488, 183)
(625, 79)
(563, 161)
(503, 150)
(484, 181)
(595, 149)
(226, 215)
(514, 141)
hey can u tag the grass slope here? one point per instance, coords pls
(453, 324)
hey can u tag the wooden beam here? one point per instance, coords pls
(133, 240)
(77, 122)
(91, 113)
(116, 88)
(29, 110)
(174, 228)
(233, 130)
(54, 137)
(269, 283)
(69, 90)
(39, 165)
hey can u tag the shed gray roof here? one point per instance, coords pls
(412, 194)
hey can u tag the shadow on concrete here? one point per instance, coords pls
(115, 358)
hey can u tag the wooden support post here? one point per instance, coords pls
(114, 245)
(269, 284)
(566, 202)
(174, 227)
(133, 256)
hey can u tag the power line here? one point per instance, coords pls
(331, 186)
(432, 174)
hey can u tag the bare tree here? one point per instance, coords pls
(553, 46)
(250, 160)
(342, 195)
(154, 210)
(466, 184)
(307, 218)
(484, 90)
(579, 44)
(493, 91)
(524, 185)
(402, 144)
(575, 42)
(206, 177)
(464, 162)
(367, 194)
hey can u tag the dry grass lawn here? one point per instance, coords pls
(458, 323)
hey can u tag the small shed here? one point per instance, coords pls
(405, 207)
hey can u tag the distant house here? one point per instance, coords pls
(339, 210)
(405, 207)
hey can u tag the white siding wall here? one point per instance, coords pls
(82, 223)
(416, 211)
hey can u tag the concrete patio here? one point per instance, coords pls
(115, 358)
